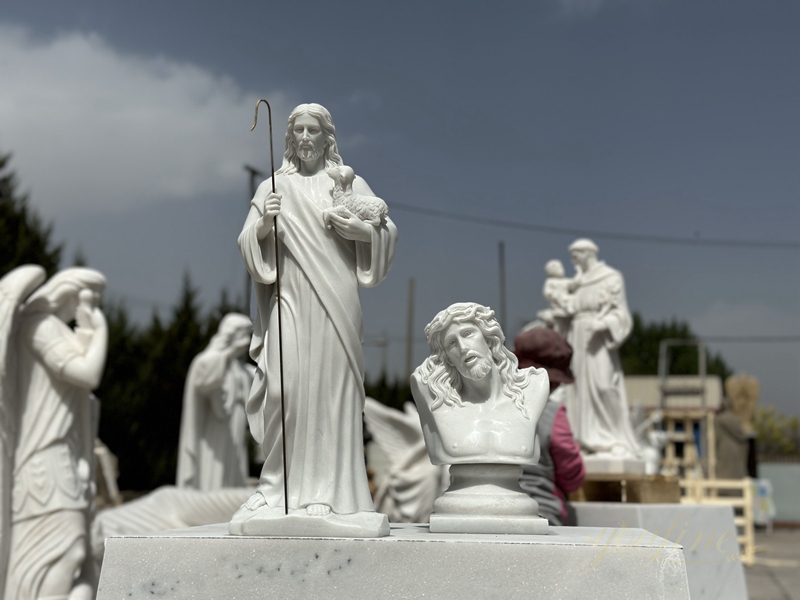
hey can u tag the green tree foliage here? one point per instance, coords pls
(23, 237)
(142, 388)
(394, 395)
(778, 435)
(141, 394)
(639, 353)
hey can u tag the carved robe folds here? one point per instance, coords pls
(323, 374)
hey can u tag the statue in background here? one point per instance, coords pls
(743, 391)
(325, 255)
(14, 288)
(56, 369)
(479, 414)
(212, 452)
(557, 291)
(412, 483)
(599, 323)
(731, 439)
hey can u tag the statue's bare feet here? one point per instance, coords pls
(318, 510)
(255, 501)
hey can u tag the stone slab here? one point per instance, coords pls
(298, 523)
(785, 479)
(707, 533)
(610, 464)
(569, 562)
(483, 524)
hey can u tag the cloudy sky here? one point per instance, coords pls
(655, 119)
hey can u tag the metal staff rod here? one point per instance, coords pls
(278, 298)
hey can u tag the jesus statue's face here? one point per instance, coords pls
(467, 350)
(308, 138)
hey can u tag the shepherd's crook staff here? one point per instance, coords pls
(278, 298)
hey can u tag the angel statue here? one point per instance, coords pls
(413, 483)
(48, 370)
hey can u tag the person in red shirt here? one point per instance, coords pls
(560, 469)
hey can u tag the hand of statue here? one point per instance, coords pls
(272, 206)
(596, 325)
(87, 301)
(269, 210)
(97, 319)
(83, 317)
(350, 227)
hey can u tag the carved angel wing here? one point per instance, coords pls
(397, 433)
(14, 288)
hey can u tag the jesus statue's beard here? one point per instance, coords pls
(477, 371)
(308, 153)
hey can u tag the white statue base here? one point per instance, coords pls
(607, 463)
(486, 498)
(268, 521)
(707, 533)
(569, 562)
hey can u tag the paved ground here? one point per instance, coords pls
(776, 574)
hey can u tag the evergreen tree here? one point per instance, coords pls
(639, 353)
(23, 237)
(394, 395)
(142, 388)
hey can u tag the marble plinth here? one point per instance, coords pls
(298, 523)
(533, 525)
(613, 465)
(569, 562)
(707, 533)
(486, 498)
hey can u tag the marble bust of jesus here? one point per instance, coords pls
(478, 412)
(474, 403)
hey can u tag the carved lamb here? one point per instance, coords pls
(370, 209)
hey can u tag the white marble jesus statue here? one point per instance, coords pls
(324, 257)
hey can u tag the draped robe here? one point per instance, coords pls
(597, 404)
(51, 491)
(322, 331)
(212, 452)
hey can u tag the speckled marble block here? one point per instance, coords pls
(206, 563)
(707, 533)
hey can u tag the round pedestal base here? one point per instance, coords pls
(486, 498)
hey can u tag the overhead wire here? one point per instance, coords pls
(631, 237)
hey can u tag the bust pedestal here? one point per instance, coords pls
(486, 498)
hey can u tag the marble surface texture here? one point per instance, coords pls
(569, 562)
(707, 534)
(479, 413)
(308, 354)
(614, 465)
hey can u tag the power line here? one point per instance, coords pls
(738, 339)
(630, 237)
(757, 339)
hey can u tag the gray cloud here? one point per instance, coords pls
(95, 128)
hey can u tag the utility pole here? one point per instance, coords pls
(383, 342)
(502, 256)
(254, 174)
(410, 330)
(385, 356)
